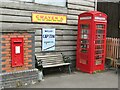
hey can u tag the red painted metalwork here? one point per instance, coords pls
(17, 52)
(91, 41)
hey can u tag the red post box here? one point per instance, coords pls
(91, 41)
(17, 51)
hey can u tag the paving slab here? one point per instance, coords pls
(108, 79)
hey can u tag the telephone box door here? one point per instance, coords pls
(100, 45)
(83, 46)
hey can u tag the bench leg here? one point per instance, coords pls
(116, 69)
(40, 75)
(69, 69)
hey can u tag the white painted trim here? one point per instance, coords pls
(95, 5)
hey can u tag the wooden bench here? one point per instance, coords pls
(54, 61)
(114, 63)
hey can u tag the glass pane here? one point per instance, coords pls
(84, 41)
(99, 36)
(84, 50)
(99, 47)
(98, 57)
(84, 36)
(84, 31)
(99, 52)
(84, 26)
(83, 46)
(99, 42)
(98, 62)
(100, 31)
(101, 26)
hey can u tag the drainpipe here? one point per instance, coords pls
(95, 5)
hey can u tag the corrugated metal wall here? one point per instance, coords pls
(112, 10)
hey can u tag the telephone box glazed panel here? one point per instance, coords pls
(17, 52)
(91, 41)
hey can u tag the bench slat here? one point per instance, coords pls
(62, 64)
(50, 58)
(45, 56)
(51, 63)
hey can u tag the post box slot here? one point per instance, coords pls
(17, 41)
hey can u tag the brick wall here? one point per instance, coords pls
(19, 78)
(28, 51)
(13, 77)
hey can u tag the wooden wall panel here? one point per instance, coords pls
(75, 12)
(79, 7)
(59, 32)
(82, 2)
(17, 16)
(32, 7)
(59, 43)
(35, 26)
(60, 38)
(60, 48)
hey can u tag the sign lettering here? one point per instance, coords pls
(49, 18)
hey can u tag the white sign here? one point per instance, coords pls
(17, 49)
(100, 18)
(85, 18)
(48, 39)
(27, 0)
(52, 2)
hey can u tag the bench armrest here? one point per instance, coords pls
(66, 59)
(38, 63)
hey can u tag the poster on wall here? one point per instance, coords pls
(48, 39)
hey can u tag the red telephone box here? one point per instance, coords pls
(17, 51)
(91, 41)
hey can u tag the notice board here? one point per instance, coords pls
(48, 39)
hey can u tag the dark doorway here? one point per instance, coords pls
(113, 11)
